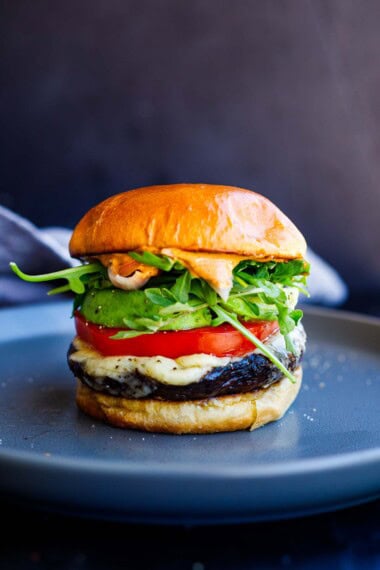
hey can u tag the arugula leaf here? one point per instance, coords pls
(158, 297)
(183, 308)
(289, 269)
(209, 295)
(74, 276)
(232, 320)
(243, 308)
(277, 272)
(129, 334)
(152, 324)
(286, 324)
(181, 287)
(296, 315)
(148, 258)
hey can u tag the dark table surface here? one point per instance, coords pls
(344, 540)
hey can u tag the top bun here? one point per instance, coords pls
(192, 217)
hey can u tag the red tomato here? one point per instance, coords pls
(223, 340)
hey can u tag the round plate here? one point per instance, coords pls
(324, 454)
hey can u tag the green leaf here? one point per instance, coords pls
(285, 321)
(182, 308)
(59, 290)
(158, 297)
(202, 290)
(148, 258)
(129, 334)
(78, 300)
(253, 307)
(271, 289)
(290, 269)
(73, 275)
(296, 315)
(197, 289)
(217, 321)
(242, 307)
(181, 288)
(144, 323)
(277, 272)
(249, 268)
(245, 292)
(210, 296)
(263, 270)
(232, 319)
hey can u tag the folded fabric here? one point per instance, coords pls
(41, 250)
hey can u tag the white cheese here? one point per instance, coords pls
(178, 372)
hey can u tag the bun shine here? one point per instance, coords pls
(191, 217)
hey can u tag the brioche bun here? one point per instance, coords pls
(192, 217)
(227, 413)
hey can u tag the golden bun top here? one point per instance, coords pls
(191, 217)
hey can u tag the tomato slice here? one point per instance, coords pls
(223, 340)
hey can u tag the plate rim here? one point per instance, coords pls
(322, 464)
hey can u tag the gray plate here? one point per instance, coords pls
(325, 453)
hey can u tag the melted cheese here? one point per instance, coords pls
(179, 372)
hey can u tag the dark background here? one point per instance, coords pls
(284, 97)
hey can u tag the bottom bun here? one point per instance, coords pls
(227, 413)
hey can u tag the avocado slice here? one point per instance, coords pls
(111, 307)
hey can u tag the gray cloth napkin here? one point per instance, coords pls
(41, 250)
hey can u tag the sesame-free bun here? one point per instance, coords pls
(227, 413)
(191, 217)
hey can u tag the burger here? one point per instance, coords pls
(185, 309)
